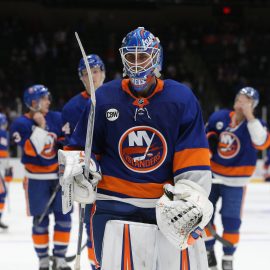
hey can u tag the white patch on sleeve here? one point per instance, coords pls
(38, 139)
(257, 132)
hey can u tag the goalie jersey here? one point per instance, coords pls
(234, 161)
(39, 158)
(144, 143)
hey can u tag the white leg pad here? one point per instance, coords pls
(171, 258)
(140, 246)
(129, 245)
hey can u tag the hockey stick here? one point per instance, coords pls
(88, 148)
(71, 257)
(48, 205)
(223, 241)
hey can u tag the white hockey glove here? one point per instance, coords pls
(75, 187)
(182, 212)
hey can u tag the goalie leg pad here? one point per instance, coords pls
(169, 257)
(129, 245)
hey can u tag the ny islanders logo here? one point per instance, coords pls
(229, 145)
(142, 149)
(49, 151)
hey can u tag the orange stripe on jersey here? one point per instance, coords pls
(232, 171)
(231, 237)
(136, 190)
(40, 239)
(184, 260)
(41, 169)
(29, 149)
(265, 145)
(191, 157)
(72, 148)
(3, 153)
(2, 205)
(62, 237)
(85, 95)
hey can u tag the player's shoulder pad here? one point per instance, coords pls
(70, 104)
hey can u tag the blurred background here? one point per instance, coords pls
(215, 47)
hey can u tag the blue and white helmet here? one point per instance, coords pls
(251, 93)
(141, 41)
(3, 121)
(94, 61)
(35, 93)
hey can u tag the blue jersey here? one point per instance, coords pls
(72, 111)
(43, 165)
(144, 143)
(236, 155)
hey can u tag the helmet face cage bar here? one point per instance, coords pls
(138, 59)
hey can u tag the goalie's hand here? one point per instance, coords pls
(182, 212)
(71, 167)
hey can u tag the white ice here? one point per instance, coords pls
(17, 253)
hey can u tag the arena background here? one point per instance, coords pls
(216, 47)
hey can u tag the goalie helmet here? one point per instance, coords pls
(35, 93)
(3, 121)
(251, 93)
(94, 61)
(141, 55)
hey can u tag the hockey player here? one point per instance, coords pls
(71, 114)
(234, 138)
(38, 132)
(148, 132)
(5, 169)
(75, 106)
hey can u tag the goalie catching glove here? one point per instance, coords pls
(75, 186)
(183, 212)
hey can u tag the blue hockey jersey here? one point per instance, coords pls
(144, 143)
(71, 112)
(235, 159)
(42, 165)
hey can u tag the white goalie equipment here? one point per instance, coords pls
(75, 187)
(139, 246)
(183, 210)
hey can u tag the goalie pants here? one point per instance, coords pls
(113, 210)
(3, 193)
(231, 210)
(38, 193)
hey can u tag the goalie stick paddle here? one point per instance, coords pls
(223, 241)
(88, 147)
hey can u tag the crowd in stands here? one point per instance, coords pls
(214, 59)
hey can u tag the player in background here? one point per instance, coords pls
(71, 114)
(38, 133)
(144, 136)
(5, 169)
(234, 138)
